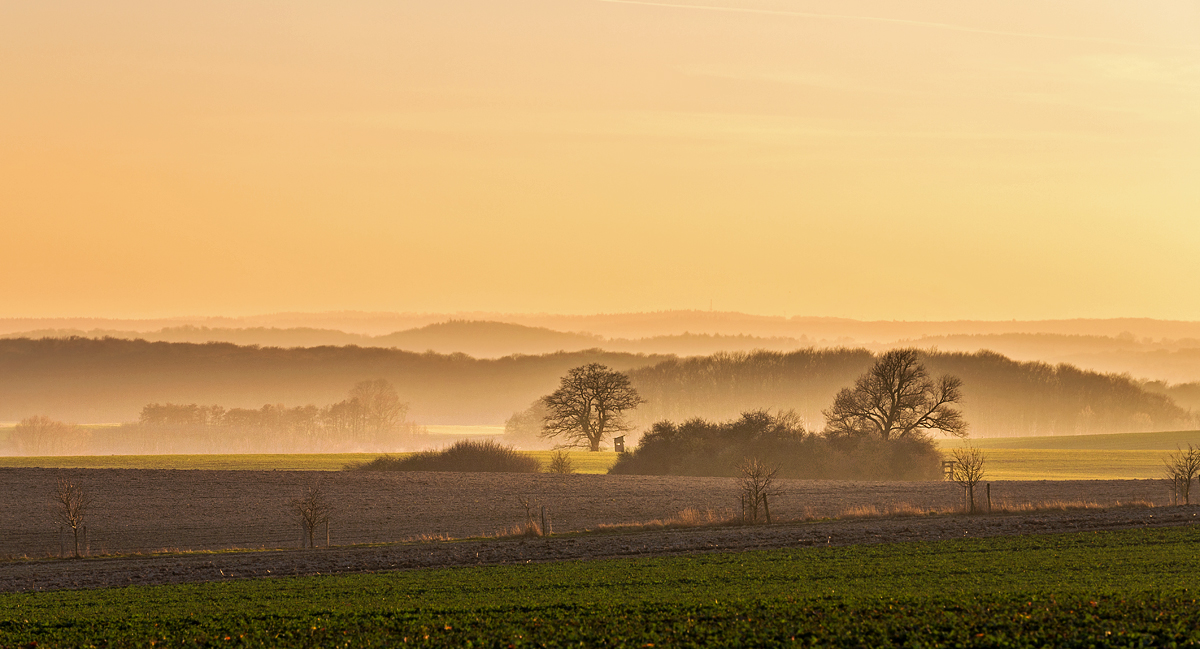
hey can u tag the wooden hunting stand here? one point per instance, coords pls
(619, 444)
(948, 469)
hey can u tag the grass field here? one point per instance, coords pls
(252, 462)
(1130, 588)
(1167, 441)
(583, 462)
(1128, 456)
(1073, 457)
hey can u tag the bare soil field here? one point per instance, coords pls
(155, 510)
(132, 570)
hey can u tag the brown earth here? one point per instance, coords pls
(151, 511)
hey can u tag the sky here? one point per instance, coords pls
(880, 160)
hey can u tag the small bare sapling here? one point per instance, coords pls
(313, 511)
(536, 522)
(1181, 468)
(968, 471)
(757, 480)
(69, 505)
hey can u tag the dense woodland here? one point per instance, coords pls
(111, 380)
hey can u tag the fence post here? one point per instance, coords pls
(989, 495)
(545, 530)
(767, 509)
(327, 532)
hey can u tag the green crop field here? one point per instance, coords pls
(1118, 589)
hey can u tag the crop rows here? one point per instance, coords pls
(1131, 588)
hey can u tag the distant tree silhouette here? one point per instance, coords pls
(41, 435)
(381, 409)
(897, 399)
(588, 406)
(523, 429)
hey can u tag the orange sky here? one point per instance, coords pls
(895, 160)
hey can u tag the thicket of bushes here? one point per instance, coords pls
(472, 456)
(703, 448)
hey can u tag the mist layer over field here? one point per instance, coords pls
(113, 380)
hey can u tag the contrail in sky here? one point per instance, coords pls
(897, 21)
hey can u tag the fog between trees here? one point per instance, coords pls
(111, 380)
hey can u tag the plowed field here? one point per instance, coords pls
(154, 510)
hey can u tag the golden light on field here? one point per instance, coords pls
(866, 159)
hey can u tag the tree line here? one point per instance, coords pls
(1001, 397)
(110, 380)
(370, 418)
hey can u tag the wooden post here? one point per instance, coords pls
(767, 509)
(326, 532)
(85, 543)
(989, 495)
(545, 531)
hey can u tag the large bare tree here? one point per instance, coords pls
(897, 399)
(589, 405)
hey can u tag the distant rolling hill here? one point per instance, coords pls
(480, 339)
(1173, 360)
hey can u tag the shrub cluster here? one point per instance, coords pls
(703, 448)
(472, 456)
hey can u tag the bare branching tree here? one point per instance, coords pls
(757, 481)
(382, 410)
(312, 509)
(41, 435)
(968, 471)
(69, 505)
(1181, 468)
(897, 399)
(589, 406)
